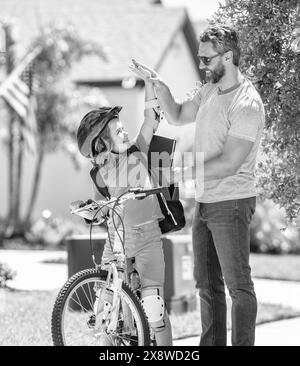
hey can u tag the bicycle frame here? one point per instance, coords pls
(106, 319)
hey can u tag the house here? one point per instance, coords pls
(162, 38)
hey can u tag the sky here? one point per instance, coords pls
(197, 9)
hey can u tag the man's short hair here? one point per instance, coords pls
(223, 38)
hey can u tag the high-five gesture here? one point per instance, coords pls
(145, 73)
(140, 71)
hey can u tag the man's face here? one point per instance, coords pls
(211, 62)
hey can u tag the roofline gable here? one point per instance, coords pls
(187, 28)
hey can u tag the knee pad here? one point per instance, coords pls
(153, 305)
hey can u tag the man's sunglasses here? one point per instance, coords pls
(207, 60)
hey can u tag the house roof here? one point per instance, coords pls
(125, 28)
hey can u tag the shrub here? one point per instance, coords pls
(268, 231)
(51, 231)
(6, 274)
(269, 33)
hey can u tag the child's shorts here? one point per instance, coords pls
(144, 244)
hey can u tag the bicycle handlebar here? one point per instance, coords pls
(133, 193)
(141, 192)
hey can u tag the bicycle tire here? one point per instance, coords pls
(69, 289)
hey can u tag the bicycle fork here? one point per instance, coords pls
(107, 304)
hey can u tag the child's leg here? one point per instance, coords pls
(155, 309)
(150, 264)
(107, 251)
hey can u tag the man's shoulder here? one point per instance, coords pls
(248, 97)
(250, 91)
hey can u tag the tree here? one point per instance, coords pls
(271, 59)
(56, 97)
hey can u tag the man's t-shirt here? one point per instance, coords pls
(237, 112)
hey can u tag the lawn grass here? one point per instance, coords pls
(25, 318)
(276, 267)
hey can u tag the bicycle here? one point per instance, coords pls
(103, 307)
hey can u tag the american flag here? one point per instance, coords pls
(17, 92)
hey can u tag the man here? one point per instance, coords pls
(229, 117)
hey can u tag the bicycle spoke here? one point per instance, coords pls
(88, 284)
(87, 297)
(79, 303)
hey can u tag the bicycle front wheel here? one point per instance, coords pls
(74, 318)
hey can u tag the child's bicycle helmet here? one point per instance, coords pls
(91, 126)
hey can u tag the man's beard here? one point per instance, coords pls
(214, 76)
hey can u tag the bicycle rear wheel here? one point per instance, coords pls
(74, 318)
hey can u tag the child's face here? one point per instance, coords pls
(119, 136)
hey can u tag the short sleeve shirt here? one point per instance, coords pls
(238, 112)
(124, 171)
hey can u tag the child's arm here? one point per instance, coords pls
(151, 113)
(152, 108)
(107, 210)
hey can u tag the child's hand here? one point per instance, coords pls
(76, 204)
(147, 74)
(136, 64)
(140, 71)
(85, 212)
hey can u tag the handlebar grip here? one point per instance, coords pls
(153, 191)
(145, 192)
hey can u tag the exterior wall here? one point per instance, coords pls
(61, 183)
(180, 74)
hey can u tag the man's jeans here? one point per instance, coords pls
(221, 242)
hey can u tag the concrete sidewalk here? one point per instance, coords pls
(33, 273)
(278, 333)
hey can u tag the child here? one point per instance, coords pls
(103, 139)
